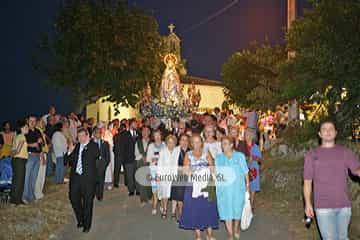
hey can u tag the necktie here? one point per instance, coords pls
(79, 169)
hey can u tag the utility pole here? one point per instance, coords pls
(291, 13)
(291, 16)
(293, 104)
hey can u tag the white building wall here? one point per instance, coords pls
(211, 97)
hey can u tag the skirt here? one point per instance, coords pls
(198, 213)
(177, 193)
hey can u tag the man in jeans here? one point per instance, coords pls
(326, 168)
(34, 142)
(251, 122)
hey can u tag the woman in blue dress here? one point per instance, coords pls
(199, 213)
(230, 192)
(254, 160)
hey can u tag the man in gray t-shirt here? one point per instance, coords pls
(325, 174)
(251, 122)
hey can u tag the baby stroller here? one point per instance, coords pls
(5, 180)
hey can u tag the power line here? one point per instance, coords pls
(211, 17)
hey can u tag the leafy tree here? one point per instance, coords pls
(251, 76)
(327, 62)
(102, 48)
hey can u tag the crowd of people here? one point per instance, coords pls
(97, 154)
(43, 147)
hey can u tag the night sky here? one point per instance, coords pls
(206, 47)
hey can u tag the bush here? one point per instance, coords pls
(297, 137)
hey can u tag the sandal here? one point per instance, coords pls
(164, 215)
(153, 212)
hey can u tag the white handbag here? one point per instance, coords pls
(247, 214)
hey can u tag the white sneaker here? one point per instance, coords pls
(39, 197)
(109, 187)
(153, 212)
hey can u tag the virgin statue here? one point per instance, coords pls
(170, 91)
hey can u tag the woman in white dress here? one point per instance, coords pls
(108, 137)
(211, 144)
(167, 171)
(152, 158)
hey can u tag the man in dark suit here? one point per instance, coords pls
(125, 151)
(118, 162)
(101, 163)
(82, 159)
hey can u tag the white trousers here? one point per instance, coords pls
(40, 180)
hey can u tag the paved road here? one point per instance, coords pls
(120, 217)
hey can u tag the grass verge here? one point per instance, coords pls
(38, 220)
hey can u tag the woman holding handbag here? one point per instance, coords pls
(231, 195)
(254, 161)
(177, 191)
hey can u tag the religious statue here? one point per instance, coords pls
(197, 99)
(170, 91)
(172, 102)
(146, 95)
(194, 96)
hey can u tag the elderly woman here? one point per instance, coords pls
(178, 189)
(220, 133)
(152, 157)
(211, 144)
(230, 195)
(199, 213)
(141, 149)
(254, 160)
(167, 170)
(239, 145)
